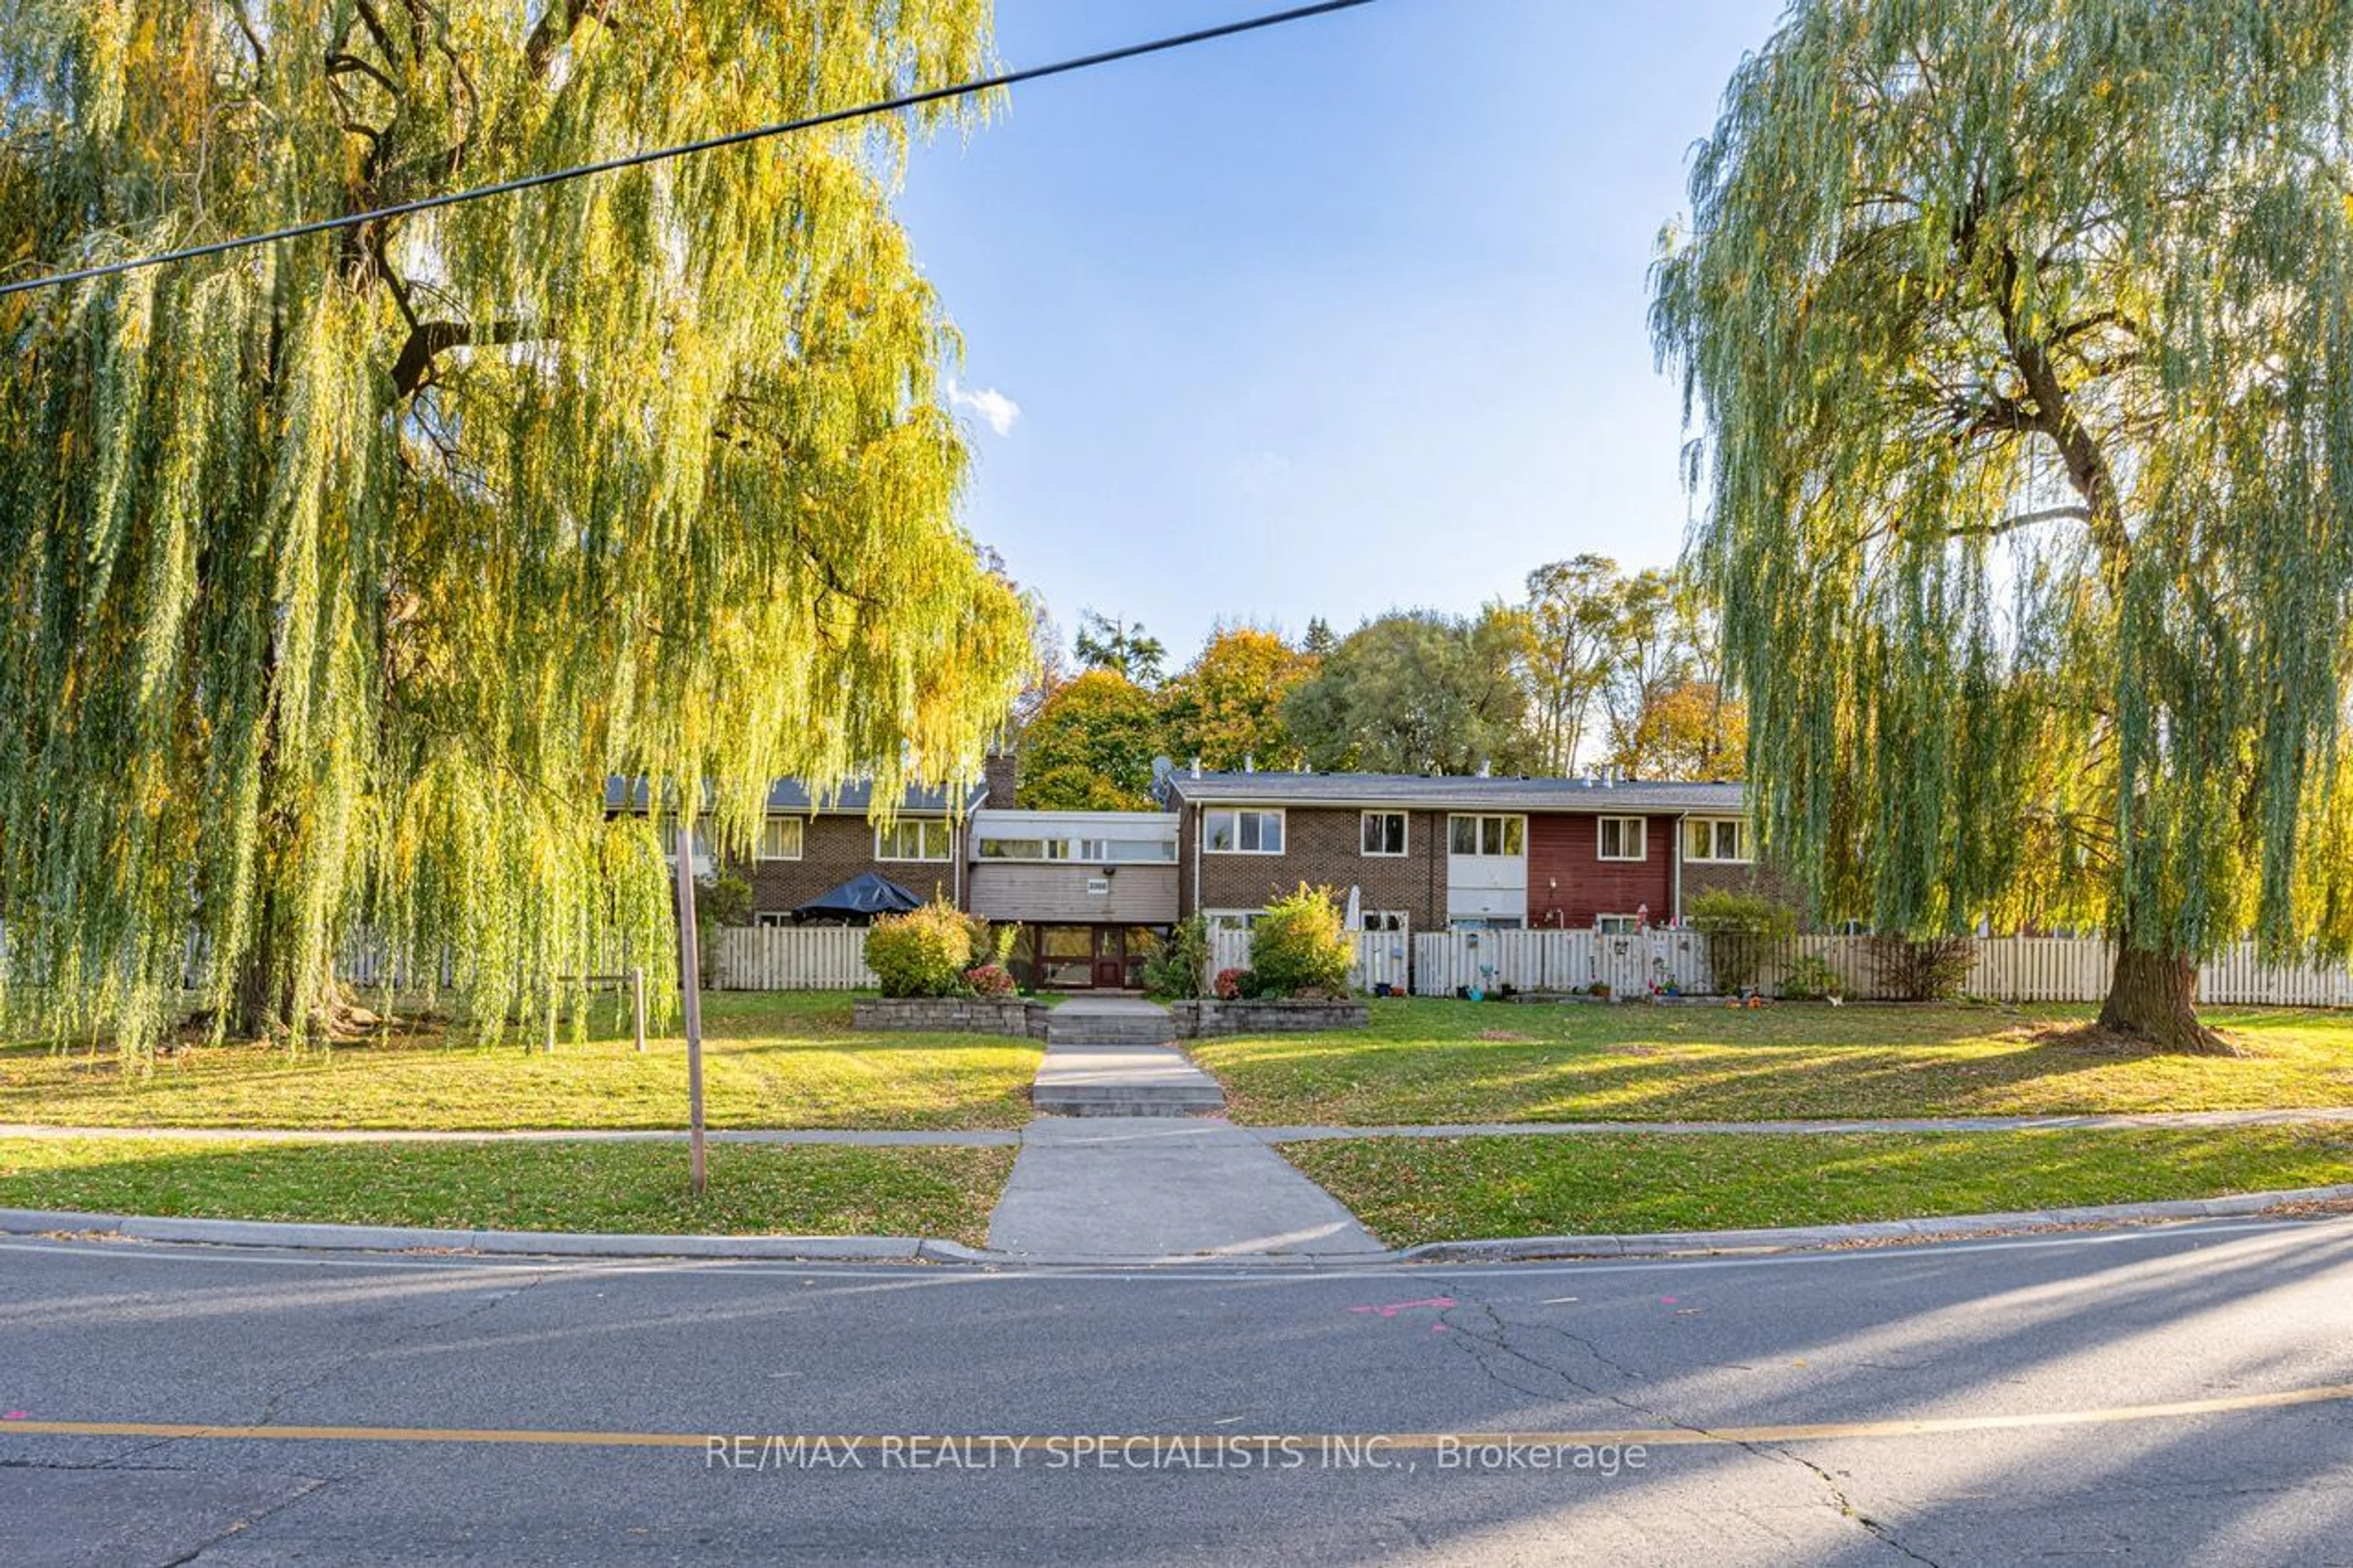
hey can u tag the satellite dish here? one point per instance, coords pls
(1161, 766)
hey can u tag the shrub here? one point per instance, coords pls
(1300, 947)
(1234, 984)
(1811, 979)
(722, 899)
(1928, 969)
(921, 953)
(990, 980)
(1177, 966)
(1743, 930)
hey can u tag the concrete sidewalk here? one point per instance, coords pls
(1164, 1187)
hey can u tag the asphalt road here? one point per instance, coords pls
(563, 1413)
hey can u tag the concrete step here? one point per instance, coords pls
(1097, 1031)
(1121, 1081)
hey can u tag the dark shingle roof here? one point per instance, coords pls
(792, 796)
(1454, 791)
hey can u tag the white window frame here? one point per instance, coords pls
(772, 919)
(1397, 922)
(1624, 925)
(1282, 829)
(669, 841)
(1480, 834)
(1232, 919)
(925, 826)
(778, 819)
(1716, 826)
(1642, 839)
(1365, 821)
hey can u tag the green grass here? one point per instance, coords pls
(1425, 1062)
(770, 1059)
(753, 1189)
(1413, 1190)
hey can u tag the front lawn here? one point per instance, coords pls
(1415, 1190)
(770, 1059)
(754, 1188)
(1429, 1061)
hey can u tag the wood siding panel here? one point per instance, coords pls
(1138, 895)
(1569, 883)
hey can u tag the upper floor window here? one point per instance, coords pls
(1715, 838)
(1241, 832)
(1384, 833)
(669, 841)
(1624, 838)
(916, 839)
(1502, 835)
(780, 838)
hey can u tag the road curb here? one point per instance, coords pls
(1509, 1249)
(924, 1250)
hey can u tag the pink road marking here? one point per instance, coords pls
(1438, 1302)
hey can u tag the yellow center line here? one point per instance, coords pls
(1668, 1437)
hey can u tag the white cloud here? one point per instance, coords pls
(995, 409)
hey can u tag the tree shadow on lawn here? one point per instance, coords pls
(1954, 1062)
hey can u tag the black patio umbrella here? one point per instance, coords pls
(860, 899)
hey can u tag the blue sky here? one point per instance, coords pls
(1327, 319)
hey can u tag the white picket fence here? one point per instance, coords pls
(793, 958)
(1383, 957)
(2005, 969)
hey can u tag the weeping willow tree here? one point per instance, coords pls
(2020, 340)
(340, 573)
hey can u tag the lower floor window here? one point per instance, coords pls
(768, 918)
(1232, 919)
(1386, 919)
(1616, 925)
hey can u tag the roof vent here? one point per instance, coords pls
(1486, 769)
(1249, 762)
(1610, 777)
(1196, 764)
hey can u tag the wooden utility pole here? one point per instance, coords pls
(689, 963)
(638, 1002)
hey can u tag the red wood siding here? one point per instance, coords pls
(1569, 883)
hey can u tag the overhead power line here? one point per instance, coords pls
(685, 149)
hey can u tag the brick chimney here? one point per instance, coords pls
(996, 771)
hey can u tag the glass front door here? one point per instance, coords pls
(1110, 963)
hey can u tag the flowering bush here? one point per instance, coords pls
(1232, 985)
(989, 980)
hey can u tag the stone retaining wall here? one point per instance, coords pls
(951, 1014)
(1195, 1019)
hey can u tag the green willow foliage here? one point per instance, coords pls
(340, 573)
(2019, 341)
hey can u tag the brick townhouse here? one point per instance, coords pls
(1092, 891)
(1426, 853)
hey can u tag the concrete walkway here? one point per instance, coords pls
(1000, 1138)
(1120, 1165)
(1151, 1188)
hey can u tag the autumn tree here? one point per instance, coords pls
(1572, 608)
(1090, 746)
(1418, 693)
(1226, 707)
(2020, 338)
(343, 572)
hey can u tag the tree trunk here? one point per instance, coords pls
(2154, 997)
